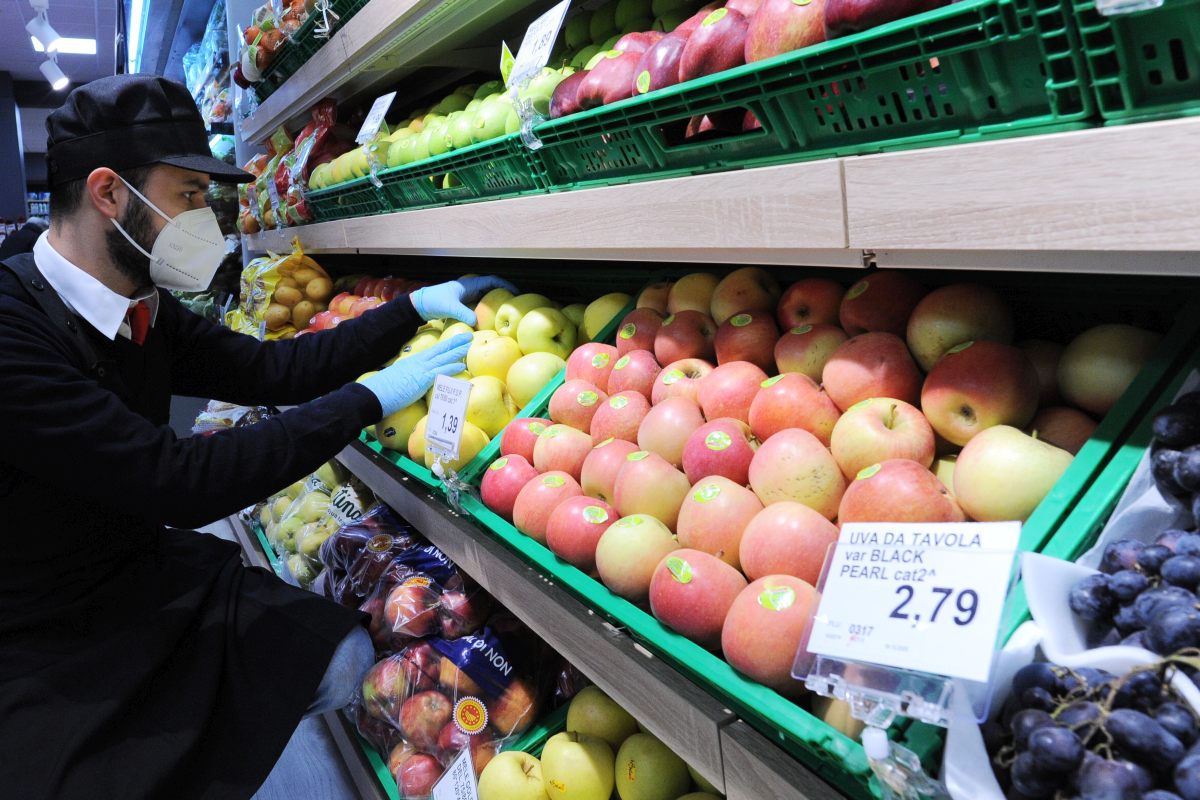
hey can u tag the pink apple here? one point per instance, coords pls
(635, 371)
(764, 628)
(666, 427)
(745, 289)
(592, 362)
(638, 330)
(878, 429)
(655, 297)
(629, 551)
(729, 390)
(575, 528)
(977, 385)
(422, 718)
(882, 301)
(792, 400)
(503, 481)
(691, 593)
(680, 379)
(600, 468)
(418, 774)
(561, 448)
(714, 515)
(747, 336)
(871, 365)
(811, 301)
(1067, 428)
(453, 740)
(687, 334)
(575, 403)
(1045, 356)
(951, 315)
(898, 490)
(620, 416)
(806, 348)
(692, 292)
(537, 501)
(649, 485)
(411, 609)
(794, 465)
(521, 435)
(786, 539)
(722, 447)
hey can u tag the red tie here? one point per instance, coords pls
(139, 321)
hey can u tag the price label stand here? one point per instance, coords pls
(534, 54)
(443, 433)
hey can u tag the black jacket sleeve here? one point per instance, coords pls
(214, 362)
(64, 428)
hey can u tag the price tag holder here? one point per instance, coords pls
(370, 126)
(506, 62)
(447, 416)
(538, 44)
(458, 781)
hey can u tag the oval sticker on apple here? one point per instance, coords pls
(600, 360)
(958, 348)
(628, 330)
(643, 81)
(537, 428)
(800, 331)
(714, 17)
(680, 569)
(595, 515)
(551, 432)
(629, 522)
(718, 440)
(777, 598)
(867, 472)
(499, 463)
(857, 289)
(638, 455)
(553, 481)
(587, 398)
(668, 320)
(622, 362)
(618, 401)
(741, 320)
(771, 381)
(609, 440)
(707, 492)
(671, 377)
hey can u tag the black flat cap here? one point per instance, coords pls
(127, 121)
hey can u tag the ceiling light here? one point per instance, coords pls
(58, 79)
(69, 46)
(39, 28)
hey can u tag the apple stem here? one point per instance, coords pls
(890, 422)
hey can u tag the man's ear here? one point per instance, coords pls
(103, 188)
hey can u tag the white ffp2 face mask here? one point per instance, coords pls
(187, 252)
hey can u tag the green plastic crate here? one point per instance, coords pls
(302, 46)
(356, 198)
(1144, 65)
(969, 71)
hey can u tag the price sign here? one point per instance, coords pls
(458, 782)
(506, 62)
(447, 415)
(538, 44)
(370, 126)
(922, 597)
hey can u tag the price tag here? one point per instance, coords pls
(276, 205)
(506, 62)
(458, 782)
(538, 44)
(447, 415)
(921, 597)
(370, 126)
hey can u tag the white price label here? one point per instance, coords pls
(370, 126)
(447, 416)
(921, 597)
(538, 44)
(457, 782)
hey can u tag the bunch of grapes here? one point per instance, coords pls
(1175, 453)
(1088, 735)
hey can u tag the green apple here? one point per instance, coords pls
(330, 474)
(541, 86)
(600, 312)
(451, 103)
(420, 147)
(594, 713)
(490, 118)
(661, 7)
(310, 541)
(426, 338)
(302, 569)
(576, 31)
(489, 304)
(530, 374)
(512, 123)
(611, 42)
(402, 151)
(547, 330)
(603, 22)
(312, 506)
(393, 430)
(460, 128)
(492, 355)
(488, 89)
(490, 406)
(456, 329)
(295, 490)
(509, 315)
(575, 313)
(512, 775)
(1003, 473)
(437, 137)
(638, 25)
(280, 507)
(701, 782)
(628, 11)
(646, 769)
(584, 56)
(283, 536)
(577, 767)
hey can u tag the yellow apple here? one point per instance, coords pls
(578, 767)
(547, 330)
(509, 315)
(512, 775)
(456, 329)
(490, 406)
(1098, 366)
(600, 312)
(473, 441)
(530, 374)
(486, 309)
(394, 430)
(416, 441)
(492, 355)
(575, 313)
(426, 338)
(1003, 474)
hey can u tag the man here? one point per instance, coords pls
(138, 661)
(21, 241)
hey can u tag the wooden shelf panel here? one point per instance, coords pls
(756, 769)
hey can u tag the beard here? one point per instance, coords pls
(127, 259)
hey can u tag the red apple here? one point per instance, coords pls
(453, 740)
(462, 614)
(620, 417)
(561, 448)
(638, 41)
(691, 593)
(565, 100)
(610, 79)
(764, 628)
(422, 718)
(666, 427)
(659, 65)
(807, 348)
(592, 362)
(635, 371)
(655, 296)
(690, 24)
(1067, 428)
(411, 608)
(882, 301)
(384, 688)
(575, 528)
(786, 539)
(714, 515)
(717, 44)
(1045, 356)
(951, 315)
(898, 490)
(514, 711)
(397, 756)
(537, 501)
(637, 331)
(692, 292)
(418, 774)
(878, 429)
(521, 435)
(680, 379)
(781, 26)
(747, 336)
(729, 390)
(748, 289)
(629, 551)
(722, 447)
(575, 403)
(600, 468)
(744, 7)
(649, 485)
(844, 17)
(792, 400)
(811, 301)
(794, 465)
(977, 385)
(503, 480)
(871, 365)
(686, 334)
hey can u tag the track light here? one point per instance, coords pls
(39, 28)
(54, 74)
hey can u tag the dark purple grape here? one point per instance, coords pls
(1070, 683)
(1039, 674)
(1181, 570)
(1026, 722)
(1188, 544)
(1195, 507)
(1173, 629)
(1187, 469)
(995, 735)
(1179, 721)
(1170, 538)
(1030, 781)
(1090, 599)
(1055, 751)
(1135, 639)
(1160, 794)
(1103, 637)
(1119, 555)
(1082, 717)
(1126, 620)
(1039, 698)
(1187, 778)
(1137, 735)
(1151, 558)
(1127, 584)
(1177, 426)
(1101, 779)
(1151, 601)
(1142, 689)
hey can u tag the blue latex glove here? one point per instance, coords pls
(407, 381)
(449, 299)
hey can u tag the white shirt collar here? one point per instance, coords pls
(104, 309)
